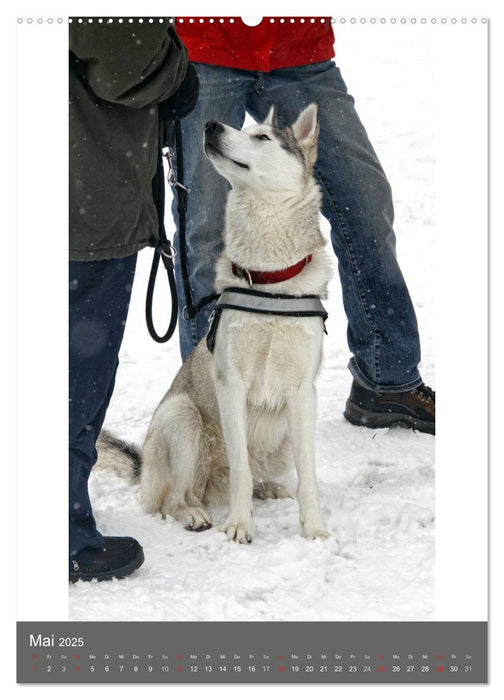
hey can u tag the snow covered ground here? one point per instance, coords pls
(377, 486)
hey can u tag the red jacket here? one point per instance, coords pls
(271, 44)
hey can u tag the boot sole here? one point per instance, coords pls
(108, 575)
(370, 419)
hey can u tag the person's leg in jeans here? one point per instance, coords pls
(382, 327)
(99, 297)
(222, 97)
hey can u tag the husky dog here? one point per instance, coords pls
(235, 419)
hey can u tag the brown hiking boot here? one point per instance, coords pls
(415, 408)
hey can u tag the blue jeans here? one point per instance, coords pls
(357, 201)
(99, 298)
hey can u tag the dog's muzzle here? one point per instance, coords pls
(213, 131)
(213, 127)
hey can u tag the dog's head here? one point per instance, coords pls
(265, 157)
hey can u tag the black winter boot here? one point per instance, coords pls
(120, 557)
(415, 408)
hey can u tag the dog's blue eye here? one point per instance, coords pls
(263, 137)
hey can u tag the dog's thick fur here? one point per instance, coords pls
(234, 421)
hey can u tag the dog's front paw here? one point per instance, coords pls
(238, 530)
(315, 532)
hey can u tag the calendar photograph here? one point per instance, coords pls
(270, 267)
(297, 185)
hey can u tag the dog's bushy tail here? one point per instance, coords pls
(124, 458)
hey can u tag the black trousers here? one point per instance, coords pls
(100, 293)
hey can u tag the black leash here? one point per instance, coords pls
(171, 140)
(164, 250)
(190, 309)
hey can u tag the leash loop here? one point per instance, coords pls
(163, 249)
(167, 250)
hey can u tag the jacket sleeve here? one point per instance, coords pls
(135, 64)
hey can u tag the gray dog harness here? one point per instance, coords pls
(263, 303)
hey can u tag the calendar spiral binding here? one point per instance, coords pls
(231, 20)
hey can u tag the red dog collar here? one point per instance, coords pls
(270, 277)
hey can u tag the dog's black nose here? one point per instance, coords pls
(213, 127)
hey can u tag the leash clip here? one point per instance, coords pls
(168, 153)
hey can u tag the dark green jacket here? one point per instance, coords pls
(118, 74)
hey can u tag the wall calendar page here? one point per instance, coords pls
(263, 244)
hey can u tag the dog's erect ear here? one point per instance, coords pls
(306, 126)
(306, 130)
(271, 119)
